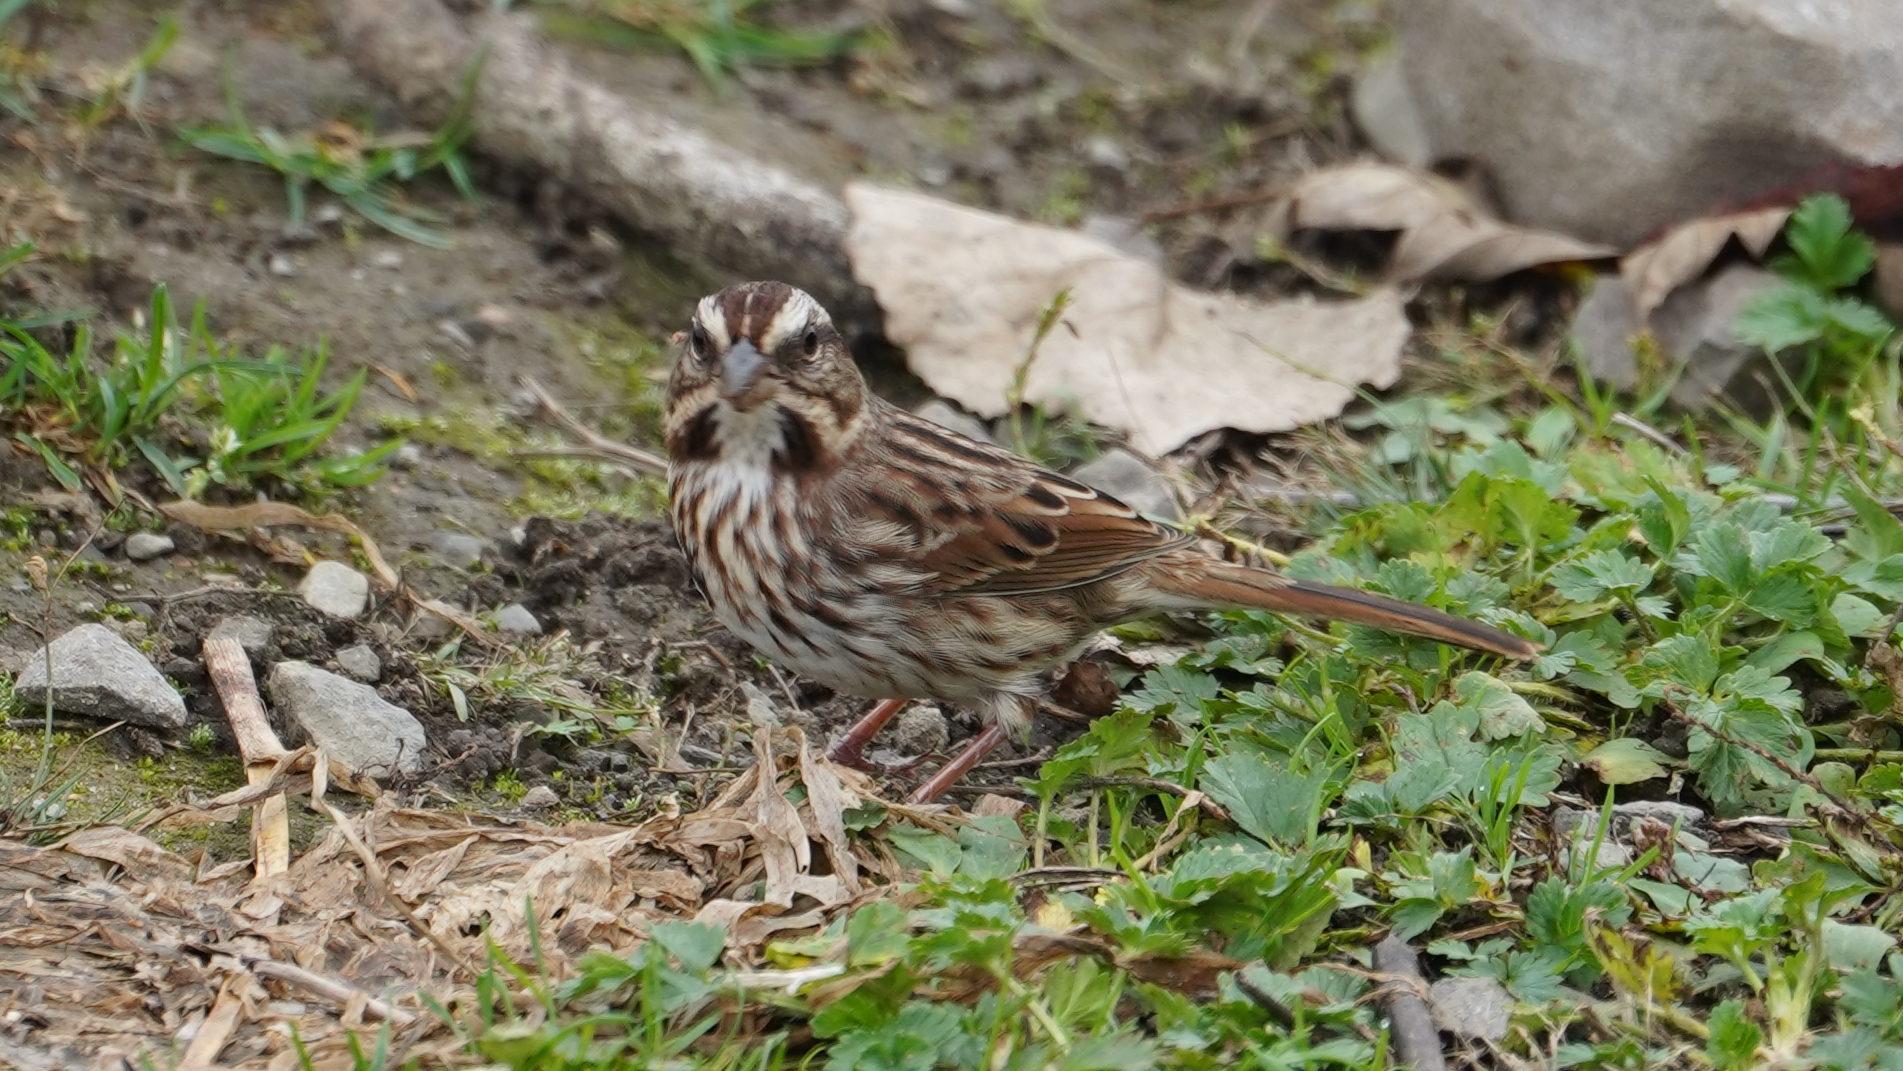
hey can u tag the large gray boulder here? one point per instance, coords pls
(1609, 118)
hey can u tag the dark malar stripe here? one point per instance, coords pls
(799, 444)
(696, 441)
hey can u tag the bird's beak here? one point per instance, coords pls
(742, 372)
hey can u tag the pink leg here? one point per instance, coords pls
(851, 747)
(959, 766)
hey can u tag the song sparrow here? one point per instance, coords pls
(885, 556)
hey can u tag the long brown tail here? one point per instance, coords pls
(1224, 585)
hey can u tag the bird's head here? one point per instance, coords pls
(761, 372)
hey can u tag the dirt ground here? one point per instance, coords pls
(1132, 106)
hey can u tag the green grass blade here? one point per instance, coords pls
(169, 470)
(67, 476)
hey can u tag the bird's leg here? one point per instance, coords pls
(960, 765)
(850, 751)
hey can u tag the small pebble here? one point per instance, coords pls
(144, 546)
(517, 619)
(458, 550)
(360, 662)
(387, 258)
(252, 633)
(540, 798)
(283, 265)
(1104, 152)
(336, 589)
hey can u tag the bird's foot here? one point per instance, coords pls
(851, 748)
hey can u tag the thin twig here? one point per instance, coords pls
(642, 461)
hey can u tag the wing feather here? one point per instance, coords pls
(985, 521)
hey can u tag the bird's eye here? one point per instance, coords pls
(697, 342)
(812, 341)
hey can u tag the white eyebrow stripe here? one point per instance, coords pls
(798, 312)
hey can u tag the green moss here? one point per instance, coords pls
(98, 788)
(1067, 201)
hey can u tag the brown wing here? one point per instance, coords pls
(984, 521)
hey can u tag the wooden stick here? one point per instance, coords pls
(230, 671)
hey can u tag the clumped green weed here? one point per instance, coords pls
(172, 396)
(719, 36)
(362, 168)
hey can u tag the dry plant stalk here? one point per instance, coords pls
(230, 671)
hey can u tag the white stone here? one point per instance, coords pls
(144, 546)
(516, 618)
(252, 633)
(336, 589)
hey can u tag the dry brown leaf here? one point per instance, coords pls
(1443, 234)
(677, 889)
(580, 873)
(829, 801)
(962, 290)
(139, 857)
(778, 829)
(425, 873)
(1655, 269)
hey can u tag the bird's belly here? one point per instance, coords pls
(855, 626)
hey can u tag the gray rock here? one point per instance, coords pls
(1124, 475)
(96, 673)
(1667, 811)
(458, 550)
(336, 589)
(921, 730)
(1604, 329)
(947, 415)
(407, 457)
(516, 618)
(1104, 152)
(540, 798)
(1695, 327)
(144, 546)
(1470, 1007)
(359, 663)
(1383, 107)
(283, 266)
(387, 258)
(252, 633)
(1608, 118)
(350, 721)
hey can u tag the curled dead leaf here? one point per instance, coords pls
(1657, 268)
(1444, 235)
(963, 289)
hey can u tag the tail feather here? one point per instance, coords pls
(1224, 585)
